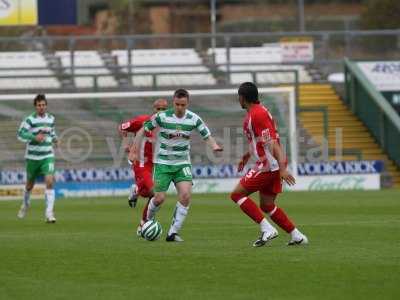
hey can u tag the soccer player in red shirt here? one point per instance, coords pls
(143, 167)
(267, 174)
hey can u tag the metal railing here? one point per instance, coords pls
(63, 74)
(329, 46)
(373, 109)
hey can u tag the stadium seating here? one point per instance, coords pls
(165, 61)
(250, 60)
(87, 63)
(160, 67)
(16, 64)
(355, 134)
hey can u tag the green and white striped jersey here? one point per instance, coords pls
(173, 137)
(29, 128)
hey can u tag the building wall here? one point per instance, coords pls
(183, 19)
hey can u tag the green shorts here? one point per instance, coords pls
(164, 174)
(34, 168)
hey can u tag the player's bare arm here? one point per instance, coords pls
(243, 161)
(122, 131)
(133, 152)
(124, 134)
(213, 144)
(277, 152)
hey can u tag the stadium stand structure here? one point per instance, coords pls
(357, 142)
(87, 63)
(261, 60)
(22, 70)
(69, 118)
(166, 62)
(100, 117)
(88, 70)
(163, 67)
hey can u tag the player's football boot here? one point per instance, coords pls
(133, 196)
(300, 239)
(174, 237)
(23, 211)
(50, 218)
(265, 237)
(139, 231)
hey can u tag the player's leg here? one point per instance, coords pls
(50, 199)
(249, 207)
(31, 173)
(278, 215)
(145, 186)
(154, 204)
(268, 195)
(133, 195)
(184, 189)
(134, 190)
(47, 169)
(162, 179)
(144, 217)
(26, 201)
(183, 180)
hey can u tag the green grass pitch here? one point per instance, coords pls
(93, 252)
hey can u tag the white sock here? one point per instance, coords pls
(296, 234)
(266, 226)
(50, 197)
(152, 209)
(179, 217)
(27, 198)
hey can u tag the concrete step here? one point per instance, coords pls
(320, 99)
(373, 151)
(375, 156)
(335, 121)
(344, 157)
(346, 130)
(349, 145)
(346, 136)
(342, 113)
(329, 108)
(312, 86)
(314, 93)
(355, 134)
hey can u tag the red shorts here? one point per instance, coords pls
(144, 180)
(267, 183)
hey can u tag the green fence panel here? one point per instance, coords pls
(373, 110)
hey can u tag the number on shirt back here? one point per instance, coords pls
(250, 174)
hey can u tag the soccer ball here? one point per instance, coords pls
(151, 230)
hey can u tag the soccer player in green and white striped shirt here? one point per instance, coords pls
(37, 131)
(172, 157)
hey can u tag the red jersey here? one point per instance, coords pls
(146, 147)
(260, 128)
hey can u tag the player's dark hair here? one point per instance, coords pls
(181, 93)
(249, 92)
(39, 98)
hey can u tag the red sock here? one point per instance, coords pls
(279, 217)
(144, 214)
(248, 207)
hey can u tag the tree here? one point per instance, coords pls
(381, 14)
(128, 13)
